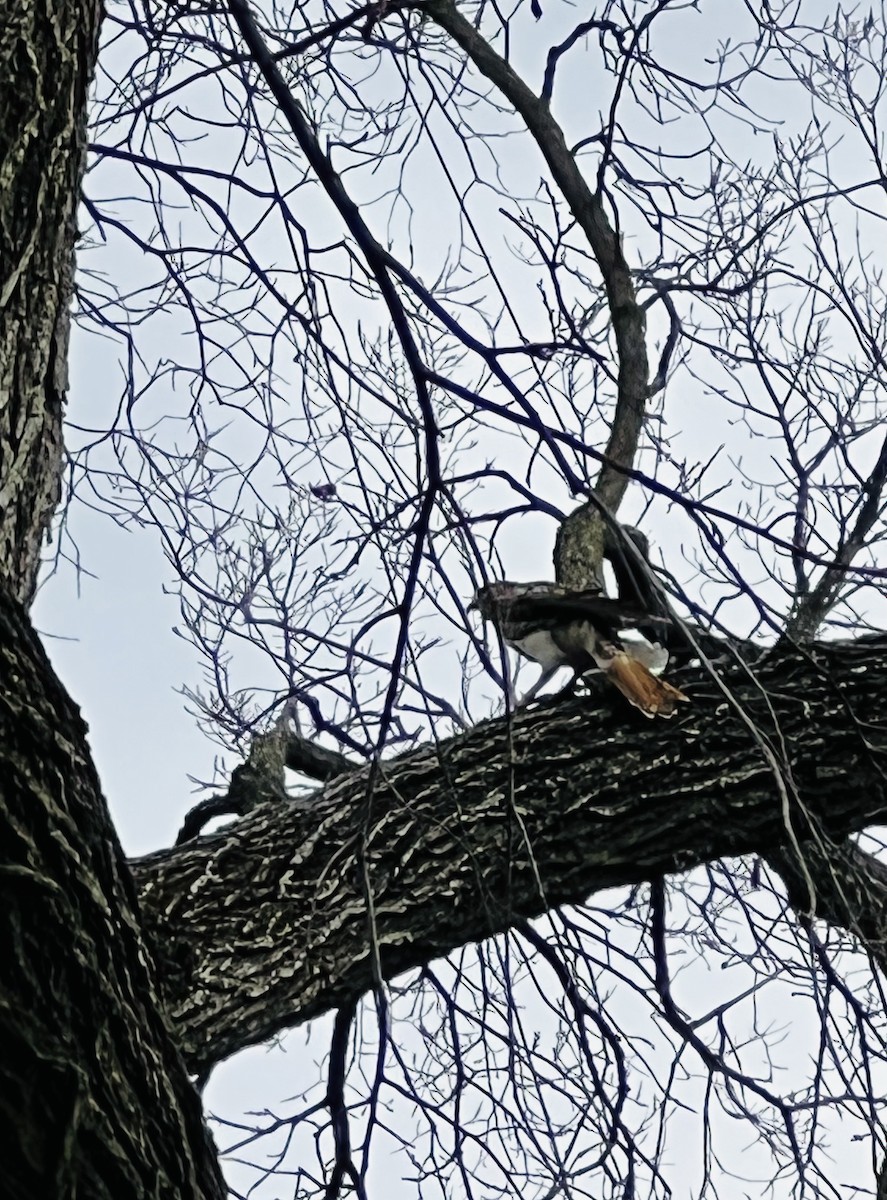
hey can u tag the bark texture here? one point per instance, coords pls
(850, 890)
(94, 1097)
(266, 923)
(47, 54)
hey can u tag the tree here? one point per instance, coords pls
(95, 1093)
(365, 153)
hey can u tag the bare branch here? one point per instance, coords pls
(578, 557)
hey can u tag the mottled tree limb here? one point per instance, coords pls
(317, 762)
(94, 1098)
(261, 777)
(850, 889)
(264, 924)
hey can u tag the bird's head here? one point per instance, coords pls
(486, 598)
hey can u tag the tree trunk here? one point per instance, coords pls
(94, 1097)
(266, 924)
(47, 55)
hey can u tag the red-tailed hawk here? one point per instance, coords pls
(559, 628)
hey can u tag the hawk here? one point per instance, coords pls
(557, 628)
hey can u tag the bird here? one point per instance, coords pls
(556, 627)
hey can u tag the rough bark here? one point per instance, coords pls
(94, 1097)
(47, 54)
(265, 924)
(849, 891)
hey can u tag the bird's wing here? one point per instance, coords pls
(578, 606)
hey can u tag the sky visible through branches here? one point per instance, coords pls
(334, 425)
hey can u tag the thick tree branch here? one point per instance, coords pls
(317, 762)
(579, 551)
(264, 925)
(261, 777)
(94, 1097)
(850, 889)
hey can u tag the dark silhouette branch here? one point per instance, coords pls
(850, 889)
(811, 608)
(579, 550)
(261, 777)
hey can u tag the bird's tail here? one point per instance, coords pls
(654, 697)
